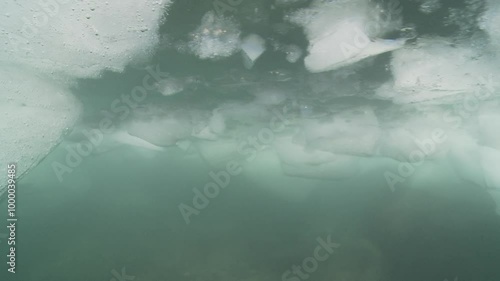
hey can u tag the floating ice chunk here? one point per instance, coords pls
(488, 119)
(264, 169)
(185, 145)
(429, 175)
(160, 131)
(252, 47)
(217, 123)
(270, 96)
(435, 68)
(218, 153)
(123, 137)
(170, 86)
(105, 141)
(464, 157)
(297, 161)
(350, 132)
(490, 22)
(217, 37)
(490, 162)
(346, 45)
(245, 112)
(205, 134)
(35, 114)
(293, 153)
(337, 34)
(415, 137)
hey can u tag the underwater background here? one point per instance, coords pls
(241, 201)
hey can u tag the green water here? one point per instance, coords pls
(120, 210)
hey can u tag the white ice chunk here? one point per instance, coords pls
(490, 162)
(217, 123)
(491, 22)
(185, 145)
(416, 136)
(170, 86)
(353, 131)
(270, 96)
(465, 158)
(347, 44)
(264, 171)
(123, 137)
(337, 34)
(297, 161)
(245, 112)
(160, 131)
(435, 68)
(488, 121)
(293, 153)
(205, 134)
(35, 112)
(61, 40)
(218, 153)
(252, 47)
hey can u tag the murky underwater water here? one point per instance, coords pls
(182, 202)
(120, 211)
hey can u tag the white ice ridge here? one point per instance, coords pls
(46, 46)
(341, 33)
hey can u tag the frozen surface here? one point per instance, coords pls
(79, 38)
(35, 114)
(46, 46)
